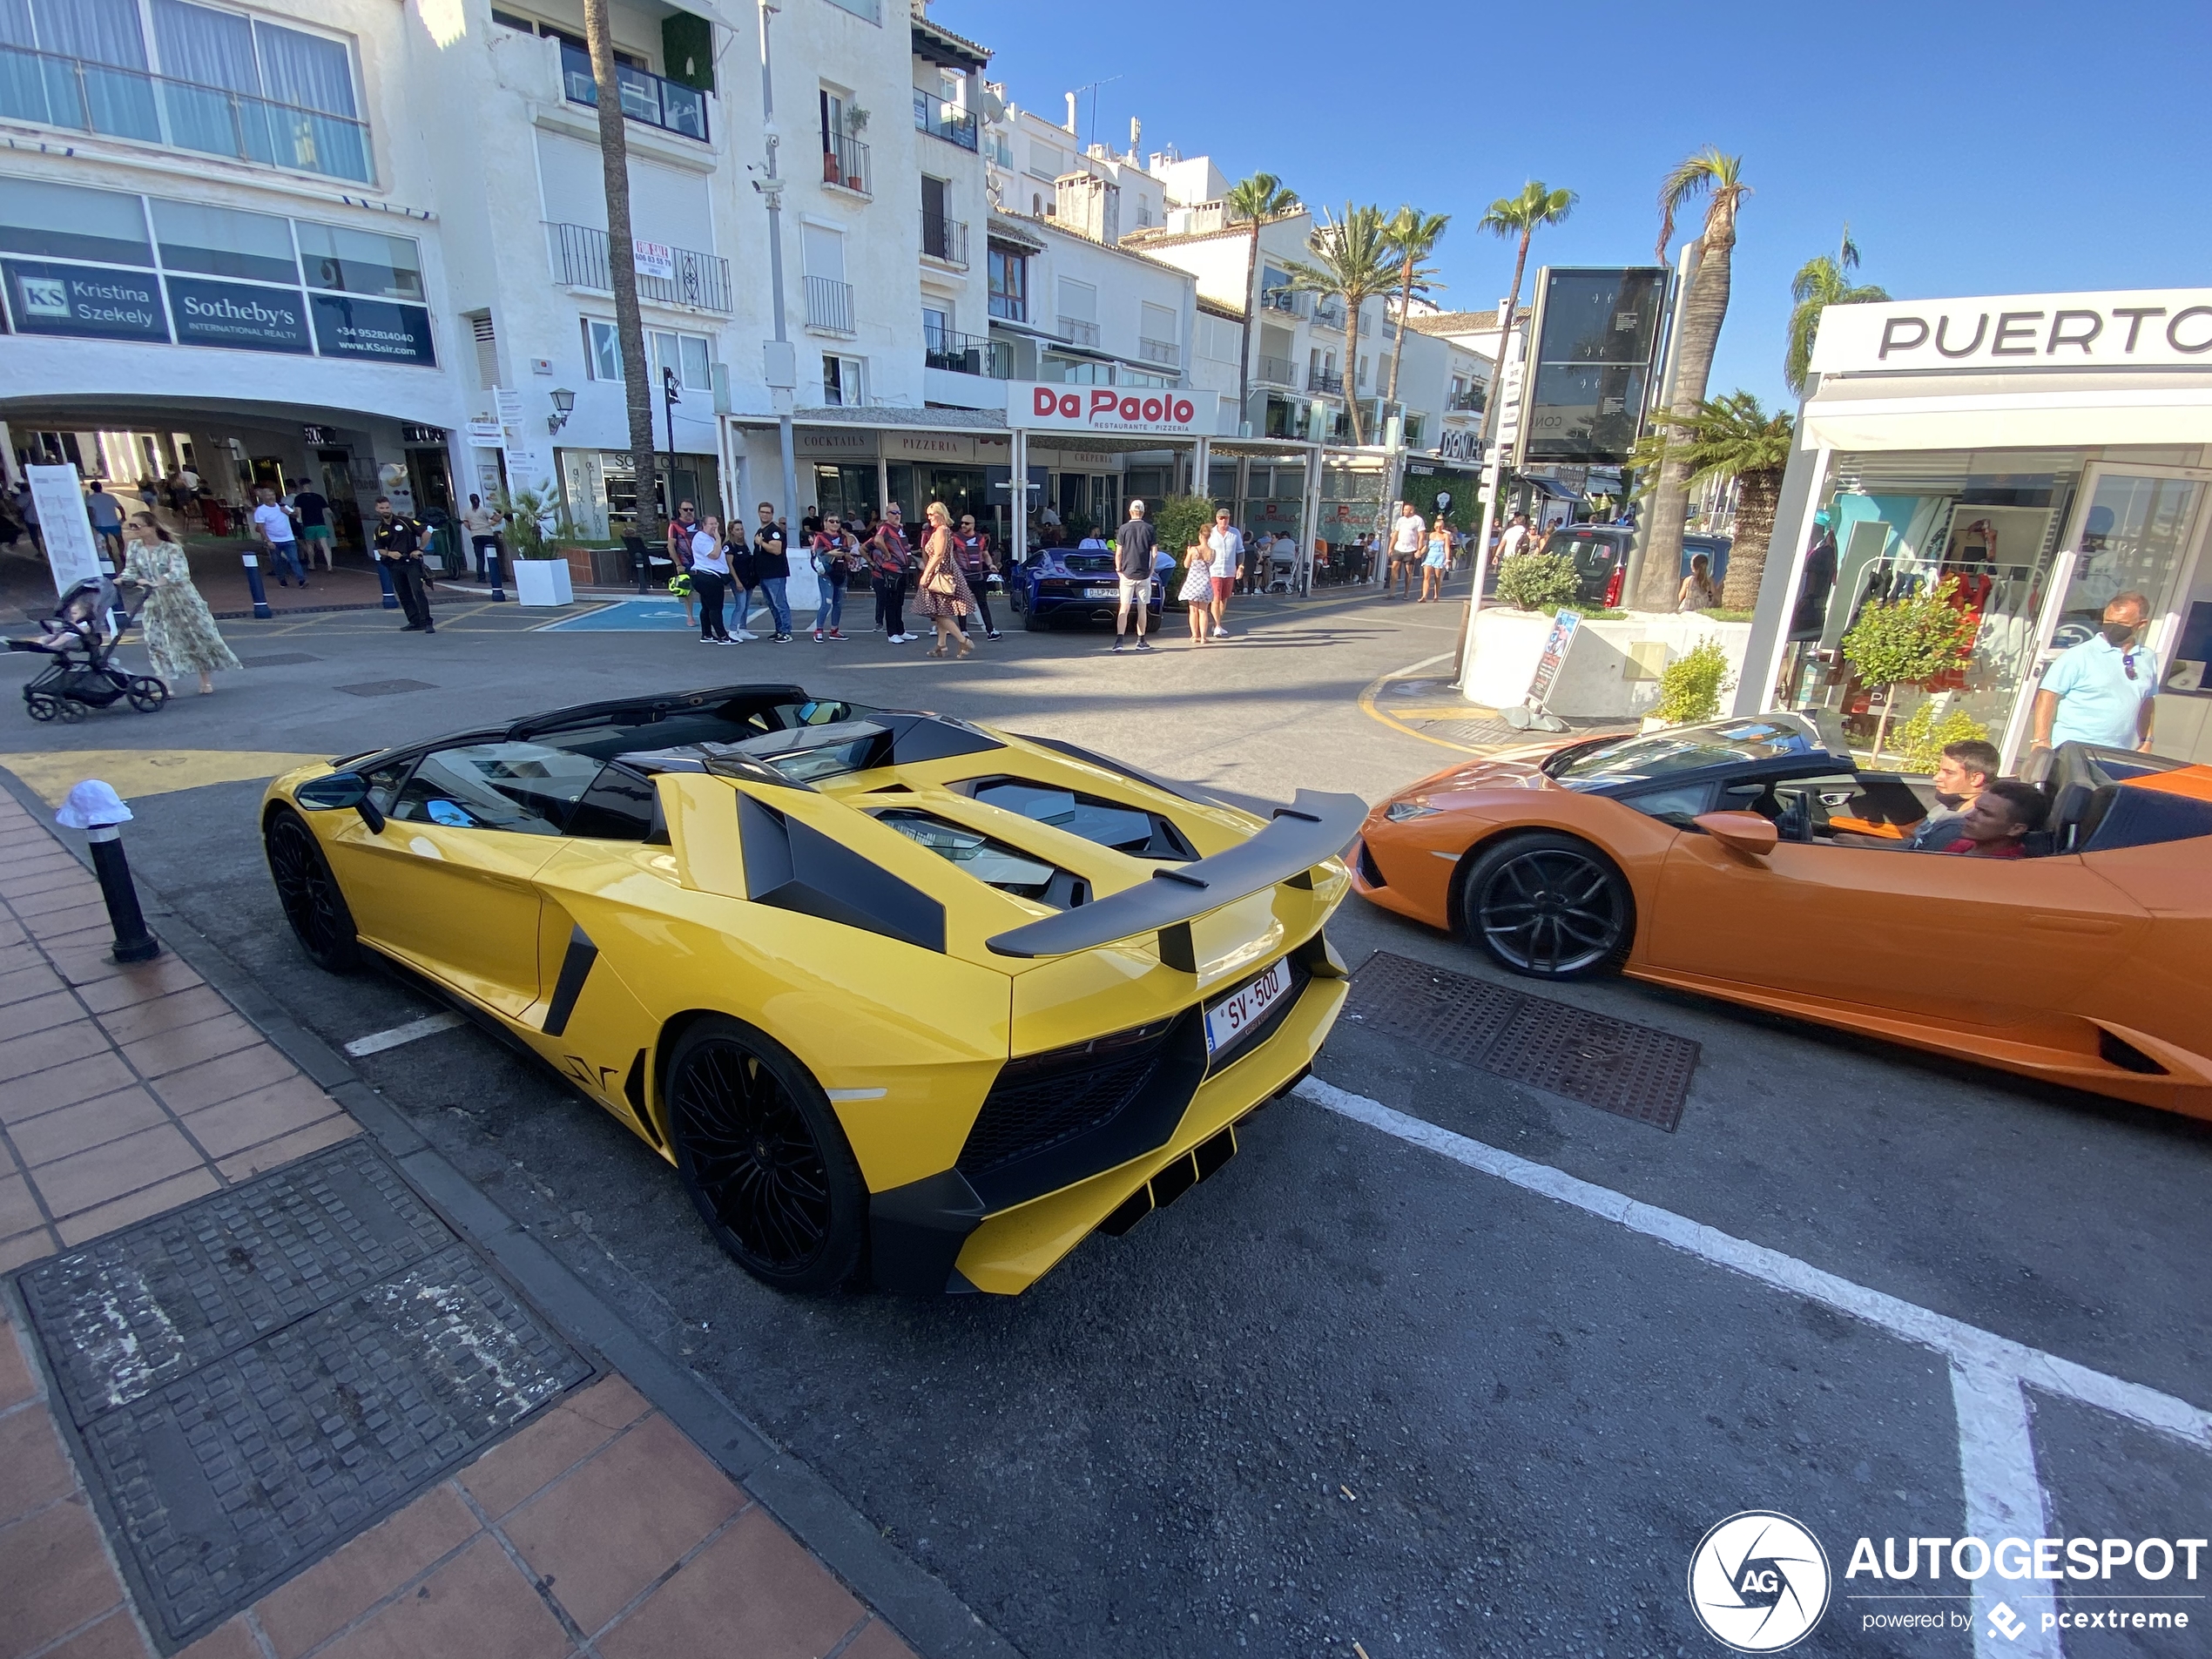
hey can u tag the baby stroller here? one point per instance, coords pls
(81, 637)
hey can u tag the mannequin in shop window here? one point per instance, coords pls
(1817, 582)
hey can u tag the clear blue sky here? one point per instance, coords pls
(1975, 147)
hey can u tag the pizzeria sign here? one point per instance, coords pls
(1168, 411)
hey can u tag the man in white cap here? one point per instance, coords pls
(1133, 545)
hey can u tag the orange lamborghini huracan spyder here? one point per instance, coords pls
(1704, 857)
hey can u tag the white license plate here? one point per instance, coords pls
(1101, 593)
(1230, 1020)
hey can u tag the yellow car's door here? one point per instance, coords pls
(449, 883)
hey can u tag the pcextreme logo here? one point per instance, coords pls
(1758, 1581)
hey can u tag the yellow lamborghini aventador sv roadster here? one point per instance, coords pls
(905, 1000)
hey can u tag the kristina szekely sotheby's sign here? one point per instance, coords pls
(1139, 411)
(2141, 329)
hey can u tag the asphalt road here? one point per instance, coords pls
(1348, 1390)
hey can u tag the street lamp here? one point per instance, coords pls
(781, 360)
(672, 393)
(563, 406)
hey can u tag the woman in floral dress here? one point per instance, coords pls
(180, 632)
(943, 595)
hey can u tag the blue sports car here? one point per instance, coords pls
(1074, 584)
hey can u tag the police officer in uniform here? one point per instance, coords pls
(399, 544)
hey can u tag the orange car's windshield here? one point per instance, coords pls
(1690, 748)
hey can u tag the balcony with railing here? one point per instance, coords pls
(943, 120)
(1275, 371)
(1076, 331)
(1291, 302)
(580, 260)
(1159, 351)
(962, 353)
(829, 305)
(1468, 402)
(1325, 379)
(944, 238)
(649, 99)
(1329, 314)
(86, 96)
(844, 164)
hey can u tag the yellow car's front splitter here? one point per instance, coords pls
(1011, 1250)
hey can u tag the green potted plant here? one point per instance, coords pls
(1908, 642)
(1539, 580)
(1690, 687)
(541, 568)
(1923, 737)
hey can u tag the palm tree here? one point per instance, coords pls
(1413, 236)
(1254, 201)
(621, 256)
(1703, 307)
(1729, 437)
(1820, 283)
(1519, 216)
(1352, 257)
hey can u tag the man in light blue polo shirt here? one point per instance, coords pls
(2100, 691)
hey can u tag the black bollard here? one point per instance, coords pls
(132, 942)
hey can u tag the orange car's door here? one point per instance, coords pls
(1989, 941)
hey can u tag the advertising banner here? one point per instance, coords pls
(235, 314)
(1556, 645)
(1166, 412)
(1596, 335)
(71, 554)
(83, 300)
(373, 330)
(655, 259)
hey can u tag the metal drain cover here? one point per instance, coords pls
(1631, 1070)
(385, 688)
(256, 1378)
(280, 659)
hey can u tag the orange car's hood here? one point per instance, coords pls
(1479, 777)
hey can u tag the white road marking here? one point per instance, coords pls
(2004, 1500)
(1961, 1342)
(2004, 1493)
(377, 1041)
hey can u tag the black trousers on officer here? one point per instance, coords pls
(406, 579)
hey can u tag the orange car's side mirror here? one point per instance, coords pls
(1745, 832)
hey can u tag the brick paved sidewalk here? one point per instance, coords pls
(598, 1529)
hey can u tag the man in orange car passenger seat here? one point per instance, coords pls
(1996, 825)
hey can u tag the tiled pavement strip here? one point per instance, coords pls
(599, 1529)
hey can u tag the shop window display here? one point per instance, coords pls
(1903, 524)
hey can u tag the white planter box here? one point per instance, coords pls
(543, 581)
(1601, 677)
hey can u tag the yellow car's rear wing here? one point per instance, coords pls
(1313, 827)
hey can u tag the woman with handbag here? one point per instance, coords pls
(943, 595)
(833, 552)
(888, 559)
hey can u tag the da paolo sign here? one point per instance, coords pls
(1165, 412)
(2145, 328)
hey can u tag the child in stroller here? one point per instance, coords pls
(81, 637)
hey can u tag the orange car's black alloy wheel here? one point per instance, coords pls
(1548, 910)
(309, 894)
(753, 1157)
